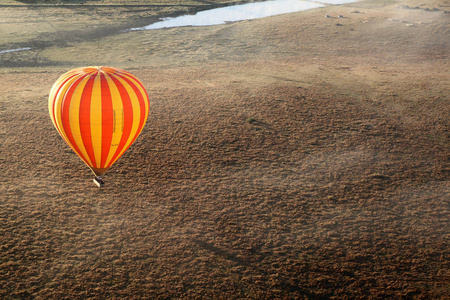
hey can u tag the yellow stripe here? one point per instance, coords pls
(52, 99)
(96, 120)
(74, 111)
(118, 119)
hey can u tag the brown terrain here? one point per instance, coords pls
(289, 157)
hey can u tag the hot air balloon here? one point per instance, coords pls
(99, 112)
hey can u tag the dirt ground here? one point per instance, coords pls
(290, 157)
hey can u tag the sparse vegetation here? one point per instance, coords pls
(337, 190)
(251, 120)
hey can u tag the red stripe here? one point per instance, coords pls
(107, 120)
(85, 119)
(128, 117)
(65, 111)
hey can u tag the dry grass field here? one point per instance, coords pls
(289, 157)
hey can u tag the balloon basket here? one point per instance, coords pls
(98, 181)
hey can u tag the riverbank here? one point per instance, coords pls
(290, 157)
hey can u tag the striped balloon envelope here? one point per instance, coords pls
(99, 112)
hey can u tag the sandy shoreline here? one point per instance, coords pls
(291, 157)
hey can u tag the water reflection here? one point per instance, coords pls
(241, 12)
(335, 1)
(14, 50)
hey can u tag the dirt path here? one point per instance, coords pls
(292, 157)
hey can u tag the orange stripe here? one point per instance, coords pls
(57, 87)
(65, 112)
(85, 119)
(127, 116)
(96, 119)
(107, 120)
(142, 106)
(144, 92)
